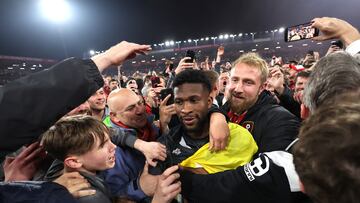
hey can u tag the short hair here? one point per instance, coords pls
(113, 80)
(303, 74)
(73, 135)
(332, 75)
(254, 60)
(193, 77)
(213, 77)
(327, 156)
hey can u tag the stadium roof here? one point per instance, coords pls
(98, 24)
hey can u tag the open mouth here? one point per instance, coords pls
(189, 120)
(111, 158)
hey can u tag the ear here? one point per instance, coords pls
(113, 116)
(304, 112)
(73, 162)
(262, 87)
(210, 101)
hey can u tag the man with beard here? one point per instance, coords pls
(249, 105)
(187, 143)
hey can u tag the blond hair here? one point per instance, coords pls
(254, 60)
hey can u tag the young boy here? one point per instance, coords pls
(84, 145)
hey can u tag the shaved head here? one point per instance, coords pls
(127, 107)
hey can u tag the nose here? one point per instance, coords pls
(238, 88)
(186, 108)
(112, 146)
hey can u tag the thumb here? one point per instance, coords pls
(321, 38)
(151, 162)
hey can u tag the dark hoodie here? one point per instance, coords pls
(272, 126)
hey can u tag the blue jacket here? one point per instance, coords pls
(123, 179)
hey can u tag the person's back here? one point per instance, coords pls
(84, 145)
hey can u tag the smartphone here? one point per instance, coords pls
(191, 54)
(338, 43)
(155, 81)
(300, 32)
(165, 92)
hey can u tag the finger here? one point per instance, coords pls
(77, 187)
(83, 193)
(28, 150)
(73, 175)
(222, 145)
(78, 181)
(170, 170)
(151, 162)
(322, 38)
(183, 59)
(170, 185)
(161, 156)
(163, 103)
(217, 146)
(172, 195)
(211, 144)
(8, 160)
(34, 155)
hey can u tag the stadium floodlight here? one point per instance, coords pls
(172, 43)
(91, 52)
(202, 39)
(189, 40)
(226, 36)
(155, 45)
(221, 36)
(240, 34)
(167, 43)
(281, 29)
(56, 10)
(184, 41)
(207, 38)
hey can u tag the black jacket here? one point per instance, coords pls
(30, 105)
(179, 146)
(272, 126)
(33, 191)
(287, 101)
(273, 129)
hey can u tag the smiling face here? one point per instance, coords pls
(244, 88)
(128, 108)
(192, 102)
(98, 100)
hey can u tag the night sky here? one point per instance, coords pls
(101, 23)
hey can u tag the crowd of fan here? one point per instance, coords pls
(268, 129)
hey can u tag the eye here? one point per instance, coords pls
(178, 102)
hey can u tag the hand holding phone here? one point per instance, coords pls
(164, 93)
(300, 32)
(191, 54)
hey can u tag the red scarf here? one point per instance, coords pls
(235, 118)
(146, 134)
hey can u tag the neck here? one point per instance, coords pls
(202, 132)
(69, 170)
(98, 114)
